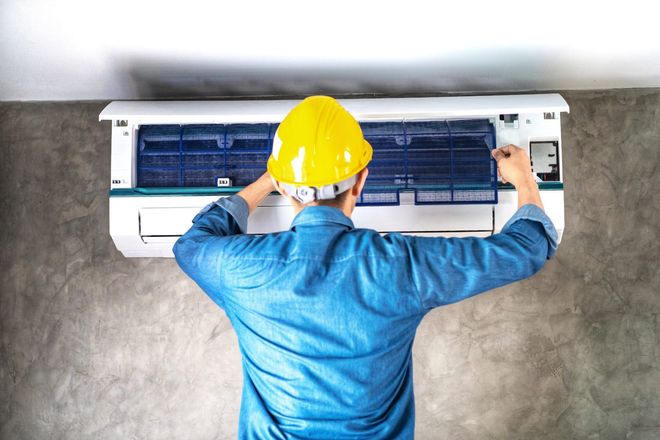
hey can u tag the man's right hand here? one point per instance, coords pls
(514, 166)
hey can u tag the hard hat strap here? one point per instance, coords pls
(307, 194)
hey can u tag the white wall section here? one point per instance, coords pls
(81, 49)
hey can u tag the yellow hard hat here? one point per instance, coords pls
(318, 143)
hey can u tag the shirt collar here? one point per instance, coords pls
(321, 215)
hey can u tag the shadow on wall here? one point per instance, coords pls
(160, 78)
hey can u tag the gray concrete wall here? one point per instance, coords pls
(96, 346)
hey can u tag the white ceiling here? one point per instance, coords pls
(85, 49)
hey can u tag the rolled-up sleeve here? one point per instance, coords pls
(534, 213)
(447, 270)
(202, 247)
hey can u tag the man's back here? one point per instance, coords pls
(326, 314)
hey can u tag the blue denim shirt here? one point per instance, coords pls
(326, 314)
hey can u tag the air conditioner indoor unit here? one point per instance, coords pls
(431, 173)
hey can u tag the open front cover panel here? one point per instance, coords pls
(442, 162)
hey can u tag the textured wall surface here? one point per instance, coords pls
(96, 346)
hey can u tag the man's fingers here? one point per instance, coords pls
(498, 154)
(509, 149)
(499, 173)
(505, 151)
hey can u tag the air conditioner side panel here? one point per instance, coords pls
(125, 226)
(553, 203)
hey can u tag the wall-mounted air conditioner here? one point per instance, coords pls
(431, 173)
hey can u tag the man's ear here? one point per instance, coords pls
(359, 185)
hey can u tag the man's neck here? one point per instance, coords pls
(346, 207)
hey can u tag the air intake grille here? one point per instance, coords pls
(441, 161)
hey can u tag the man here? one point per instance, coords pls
(325, 313)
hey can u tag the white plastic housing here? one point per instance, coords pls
(148, 225)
